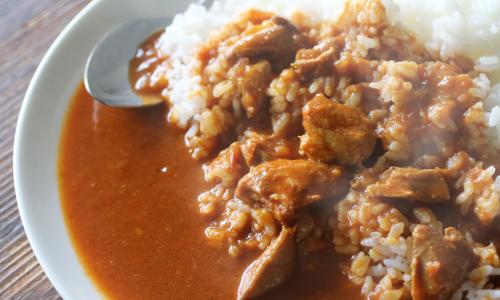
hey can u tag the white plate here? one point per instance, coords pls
(39, 130)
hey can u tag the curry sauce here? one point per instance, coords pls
(313, 160)
(128, 187)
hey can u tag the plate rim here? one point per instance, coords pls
(21, 124)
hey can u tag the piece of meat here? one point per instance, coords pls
(439, 263)
(273, 267)
(276, 40)
(228, 167)
(336, 132)
(317, 61)
(250, 81)
(285, 186)
(253, 85)
(258, 148)
(428, 186)
(357, 68)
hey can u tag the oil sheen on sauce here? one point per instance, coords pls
(129, 190)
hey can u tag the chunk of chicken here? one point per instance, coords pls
(285, 186)
(276, 40)
(439, 263)
(252, 85)
(273, 267)
(228, 167)
(257, 148)
(317, 61)
(336, 132)
(426, 186)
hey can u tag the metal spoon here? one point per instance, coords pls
(107, 71)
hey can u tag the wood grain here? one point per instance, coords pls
(27, 28)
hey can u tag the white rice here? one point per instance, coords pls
(194, 26)
(448, 28)
(466, 27)
(461, 27)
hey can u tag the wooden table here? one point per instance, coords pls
(27, 28)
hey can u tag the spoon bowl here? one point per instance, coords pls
(106, 74)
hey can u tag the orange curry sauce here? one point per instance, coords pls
(129, 190)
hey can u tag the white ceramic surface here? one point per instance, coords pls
(39, 129)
